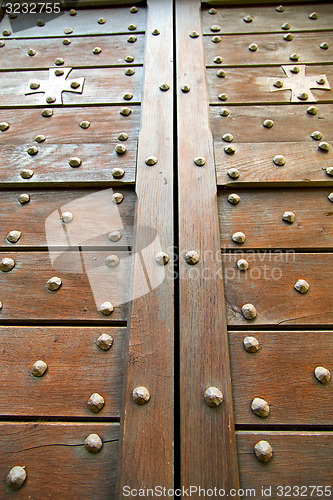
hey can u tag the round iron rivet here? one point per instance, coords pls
(313, 15)
(129, 72)
(2, 43)
(46, 113)
(285, 26)
(97, 50)
(279, 160)
(242, 264)
(251, 344)
(218, 60)
(324, 146)
(200, 161)
(104, 342)
(228, 137)
(268, 123)
(302, 286)
(120, 149)
(234, 199)
(238, 237)
(260, 407)
(133, 10)
(117, 172)
(140, 395)
(294, 57)
(40, 138)
(58, 72)
(115, 236)
(233, 173)
(128, 96)
(132, 27)
(294, 69)
(230, 150)
(129, 59)
(13, 236)
(53, 284)
(23, 198)
(6, 33)
(289, 217)
(216, 39)
(31, 52)
(96, 402)
(122, 136)
(329, 171)
(321, 81)
(253, 47)
(7, 264)
(330, 197)
(278, 84)
(68, 31)
(16, 477)
(50, 99)
(0, 305)
(212, 12)
(156, 32)
(101, 20)
(106, 308)
(192, 257)
(75, 162)
(312, 110)
(117, 198)
(317, 135)
(324, 45)
(280, 8)
(247, 19)
(215, 28)
(75, 85)
(40, 23)
(221, 73)
(93, 443)
(213, 397)
(263, 451)
(39, 368)
(249, 311)
(224, 112)
(26, 173)
(112, 260)
(194, 34)
(66, 217)
(185, 89)
(162, 258)
(59, 61)
(72, 12)
(66, 41)
(34, 85)
(85, 124)
(151, 160)
(164, 87)
(223, 97)
(132, 39)
(125, 111)
(288, 36)
(322, 374)
(4, 126)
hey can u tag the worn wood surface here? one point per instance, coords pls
(146, 451)
(268, 284)
(267, 19)
(76, 369)
(204, 355)
(296, 398)
(78, 53)
(56, 461)
(299, 458)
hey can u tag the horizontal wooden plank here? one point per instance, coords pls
(268, 284)
(260, 212)
(272, 49)
(85, 22)
(293, 124)
(297, 398)
(79, 53)
(56, 461)
(87, 282)
(266, 18)
(96, 90)
(251, 85)
(86, 205)
(299, 459)
(77, 368)
(305, 163)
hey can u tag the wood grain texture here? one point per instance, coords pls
(56, 461)
(267, 19)
(78, 53)
(269, 286)
(250, 85)
(272, 49)
(296, 398)
(147, 432)
(204, 355)
(76, 369)
(299, 458)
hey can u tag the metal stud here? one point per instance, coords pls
(7, 264)
(23, 198)
(53, 284)
(194, 34)
(129, 59)
(132, 39)
(128, 96)
(66, 41)
(212, 12)
(115, 236)
(234, 199)
(192, 257)
(40, 23)
(50, 99)
(288, 36)
(330, 197)
(242, 264)
(263, 451)
(317, 135)
(132, 27)
(213, 397)
(101, 20)
(260, 407)
(224, 112)
(59, 61)
(324, 45)
(238, 237)
(118, 172)
(75, 84)
(233, 173)
(302, 286)
(279, 160)
(46, 113)
(112, 260)
(6, 33)
(117, 198)
(216, 39)
(120, 149)
(289, 217)
(0, 305)
(2, 43)
(4, 126)
(268, 123)
(294, 57)
(200, 161)
(278, 84)
(104, 342)
(39, 368)
(96, 50)
(294, 69)
(85, 124)
(16, 477)
(313, 15)
(185, 89)
(221, 73)
(75, 162)
(329, 171)
(34, 85)
(230, 150)
(68, 31)
(312, 110)
(253, 47)
(40, 138)
(93, 443)
(251, 344)
(72, 12)
(156, 32)
(321, 81)
(106, 308)
(140, 395)
(164, 87)
(31, 52)
(162, 258)
(129, 72)
(248, 19)
(66, 217)
(228, 137)
(133, 10)
(218, 60)
(125, 111)
(13, 236)
(223, 97)
(215, 28)
(96, 402)
(324, 146)
(285, 26)
(59, 72)
(249, 311)
(280, 8)
(26, 173)
(32, 151)
(151, 160)
(322, 374)
(122, 136)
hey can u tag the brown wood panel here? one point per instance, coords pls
(76, 369)
(272, 49)
(267, 19)
(250, 85)
(87, 282)
(296, 397)
(84, 23)
(78, 53)
(305, 162)
(96, 89)
(56, 461)
(268, 284)
(293, 124)
(260, 213)
(299, 459)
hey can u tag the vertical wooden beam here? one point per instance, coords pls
(145, 456)
(208, 444)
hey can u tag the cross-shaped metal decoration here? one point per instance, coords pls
(55, 85)
(299, 84)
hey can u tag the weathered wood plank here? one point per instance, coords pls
(268, 284)
(31, 218)
(272, 49)
(76, 369)
(267, 19)
(204, 354)
(79, 53)
(305, 163)
(45, 448)
(250, 85)
(96, 89)
(299, 459)
(296, 398)
(87, 282)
